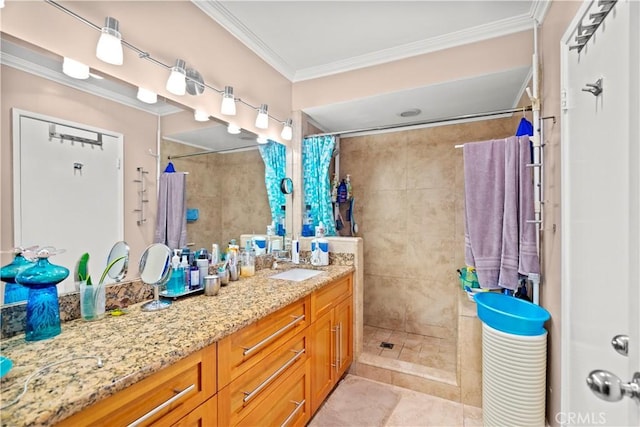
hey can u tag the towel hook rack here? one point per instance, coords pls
(142, 189)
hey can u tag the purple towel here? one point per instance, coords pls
(499, 242)
(171, 224)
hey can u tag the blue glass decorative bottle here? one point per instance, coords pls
(14, 292)
(43, 311)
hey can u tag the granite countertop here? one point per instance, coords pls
(136, 345)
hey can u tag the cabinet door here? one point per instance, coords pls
(205, 415)
(344, 330)
(323, 359)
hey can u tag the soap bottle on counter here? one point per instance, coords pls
(176, 282)
(194, 276)
(184, 265)
(248, 261)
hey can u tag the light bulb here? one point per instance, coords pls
(233, 129)
(262, 140)
(75, 69)
(1, 4)
(109, 48)
(287, 130)
(177, 82)
(147, 96)
(262, 120)
(228, 107)
(200, 116)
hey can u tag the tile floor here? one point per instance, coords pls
(360, 402)
(434, 352)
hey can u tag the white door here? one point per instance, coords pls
(67, 194)
(601, 215)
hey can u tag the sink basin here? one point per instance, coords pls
(297, 274)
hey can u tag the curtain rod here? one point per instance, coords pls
(427, 122)
(201, 153)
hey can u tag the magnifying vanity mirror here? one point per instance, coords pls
(118, 261)
(155, 269)
(226, 185)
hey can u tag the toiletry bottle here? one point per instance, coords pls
(215, 254)
(184, 265)
(176, 282)
(203, 267)
(342, 192)
(194, 274)
(295, 251)
(270, 234)
(248, 261)
(280, 230)
(307, 222)
(349, 188)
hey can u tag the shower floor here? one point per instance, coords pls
(433, 352)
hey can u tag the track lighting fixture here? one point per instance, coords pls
(75, 69)
(177, 82)
(287, 130)
(147, 96)
(200, 116)
(233, 129)
(109, 48)
(262, 120)
(1, 4)
(228, 107)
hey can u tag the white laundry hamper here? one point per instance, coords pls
(514, 361)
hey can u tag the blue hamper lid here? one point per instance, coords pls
(511, 315)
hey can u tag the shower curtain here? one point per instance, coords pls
(316, 157)
(274, 156)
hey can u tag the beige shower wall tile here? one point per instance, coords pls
(383, 302)
(470, 343)
(471, 387)
(381, 165)
(383, 210)
(431, 211)
(430, 165)
(430, 302)
(384, 254)
(430, 256)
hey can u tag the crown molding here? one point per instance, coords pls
(83, 85)
(216, 11)
(482, 32)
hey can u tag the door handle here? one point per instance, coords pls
(609, 387)
(620, 344)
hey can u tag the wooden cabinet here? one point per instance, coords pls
(331, 338)
(244, 349)
(205, 415)
(262, 385)
(166, 396)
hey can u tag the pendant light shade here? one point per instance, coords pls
(233, 129)
(262, 140)
(147, 96)
(228, 107)
(200, 116)
(262, 121)
(287, 130)
(177, 83)
(109, 47)
(75, 69)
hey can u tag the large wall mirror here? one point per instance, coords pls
(226, 185)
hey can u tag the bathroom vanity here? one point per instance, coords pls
(263, 351)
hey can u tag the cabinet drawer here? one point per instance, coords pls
(324, 299)
(242, 350)
(264, 380)
(205, 415)
(170, 393)
(289, 406)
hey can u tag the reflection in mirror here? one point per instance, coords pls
(118, 261)
(227, 186)
(155, 269)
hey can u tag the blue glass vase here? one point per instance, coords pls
(14, 292)
(43, 310)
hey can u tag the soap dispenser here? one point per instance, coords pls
(320, 247)
(14, 292)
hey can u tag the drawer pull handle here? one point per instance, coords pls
(160, 407)
(251, 394)
(280, 331)
(295, 411)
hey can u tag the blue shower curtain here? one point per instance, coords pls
(274, 156)
(316, 157)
